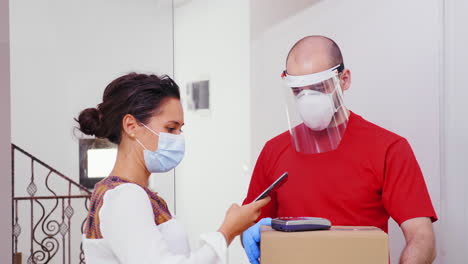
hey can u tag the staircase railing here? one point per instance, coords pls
(49, 212)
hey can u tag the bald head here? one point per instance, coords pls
(313, 54)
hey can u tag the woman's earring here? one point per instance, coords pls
(132, 135)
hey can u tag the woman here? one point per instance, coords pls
(127, 223)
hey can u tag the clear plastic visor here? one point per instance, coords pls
(315, 110)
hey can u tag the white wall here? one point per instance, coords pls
(212, 41)
(393, 49)
(5, 136)
(454, 221)
(63, 54)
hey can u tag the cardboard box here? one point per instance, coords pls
(339, 245)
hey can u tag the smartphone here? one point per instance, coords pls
(275, 185)
(295, 224)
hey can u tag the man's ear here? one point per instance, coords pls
(130, 125)
(345, 79)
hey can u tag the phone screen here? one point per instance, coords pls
(275, 185)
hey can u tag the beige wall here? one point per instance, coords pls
(5, 139)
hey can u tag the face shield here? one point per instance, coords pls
(315, 110)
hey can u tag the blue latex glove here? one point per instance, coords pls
(251, 240)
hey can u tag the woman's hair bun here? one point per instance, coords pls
(139, 95)
(90, 121)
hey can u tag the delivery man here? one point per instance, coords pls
(341, 166)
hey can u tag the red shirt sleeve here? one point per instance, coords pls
(259, 182)
(404, 193)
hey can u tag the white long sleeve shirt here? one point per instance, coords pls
(130, 235)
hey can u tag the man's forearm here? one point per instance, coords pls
(419, 251)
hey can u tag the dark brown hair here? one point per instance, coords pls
(140, 95)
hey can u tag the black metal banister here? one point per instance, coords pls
(50, 197)
(83, 188)
(50, 216)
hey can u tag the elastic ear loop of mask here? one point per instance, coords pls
(156, 133)
(138, 141)
(333, 101)
(340, 94)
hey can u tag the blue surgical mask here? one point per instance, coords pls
(170, 152)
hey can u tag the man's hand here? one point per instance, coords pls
(251, 240)
(420, 241)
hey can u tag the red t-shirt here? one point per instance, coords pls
(371, 176)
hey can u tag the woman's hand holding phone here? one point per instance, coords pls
(240, 218)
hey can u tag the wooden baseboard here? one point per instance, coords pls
(17, 258)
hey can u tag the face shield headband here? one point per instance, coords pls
(309, 79)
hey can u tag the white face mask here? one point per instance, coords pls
(316, 109)
(170, 152)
